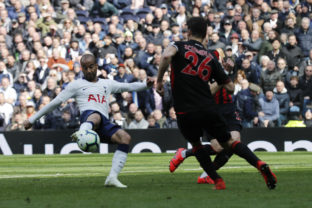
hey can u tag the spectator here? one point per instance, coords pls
(295, 95)
(9, 92)
(276, 53)
(305, 81)
(269, 112)
(108, 47)
(122, 75)
(215, 42)
(37, 98)
(307, 61)
(250, 72)
(160, 119)
(227, 32)
(266, 45)
(6, 112)
(50, 89)
(282, 69)
(102, 8)
(68, 122)
(308, 118)
(152, 124)
(269, 77)
(254, 43)
(247, 104)
(57, 62)
(280, 92)
(139, 121)
(21, 83)
(133, 108)
(119, 120)
(30, 109)
(42, 71)
(17, 122)
(156, 35)
(171, 121)
(292, 52)
(44, 23)
(304, 36)
(240, 76)
(4, 72)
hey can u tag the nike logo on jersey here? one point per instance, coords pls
(84, 88)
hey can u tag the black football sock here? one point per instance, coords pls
(243, 151)
(189, 152)
(222, 158)
(203, 157)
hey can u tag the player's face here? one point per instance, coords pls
(89, 69)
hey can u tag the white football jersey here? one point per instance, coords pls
(90, 95)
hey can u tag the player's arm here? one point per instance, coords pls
(230, 87)
(165, 60)
(117, 87)
(221, 78)
(214, 87)
(62, 97)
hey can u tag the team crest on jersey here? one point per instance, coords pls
(97, 98)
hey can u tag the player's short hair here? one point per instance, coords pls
(198, 26)
(86, 57)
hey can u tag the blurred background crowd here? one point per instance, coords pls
(266, 46)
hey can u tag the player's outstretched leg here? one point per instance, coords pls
(243, 151)
(203, 157)
(182, 154)
(119, 159)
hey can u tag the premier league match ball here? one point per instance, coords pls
(88, 140)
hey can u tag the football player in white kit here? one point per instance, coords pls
(92, 94)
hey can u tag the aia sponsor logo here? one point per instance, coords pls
(97, 98)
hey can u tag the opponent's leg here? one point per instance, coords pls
(203, 157)
(243, 151)
(183, 153)
(123, 139)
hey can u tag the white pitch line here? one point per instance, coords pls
(134, 171)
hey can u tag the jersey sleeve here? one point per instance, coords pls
(218, 73)
(118, 87)
(67, 93)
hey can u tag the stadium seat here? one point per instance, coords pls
(83, 20)
(127, 14)
(81, 13)
(99, 20)
(141, 13)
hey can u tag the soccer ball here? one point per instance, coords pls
(88, 140)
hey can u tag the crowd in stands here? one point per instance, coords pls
(265, 44)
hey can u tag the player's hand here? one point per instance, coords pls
(160, 88)
(150, 81)
(27, 124)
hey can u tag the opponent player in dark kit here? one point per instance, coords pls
(192, 66)
(227, 110)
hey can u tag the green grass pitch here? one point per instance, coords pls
(77, 181)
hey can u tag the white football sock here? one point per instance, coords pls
(118, 162)
(86, 126)
(183, 153)
(203, 175)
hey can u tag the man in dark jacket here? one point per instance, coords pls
(304, 36)
(282, 97)
(269, 77)
(102, 8)
(292, 52)
(248, 106)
